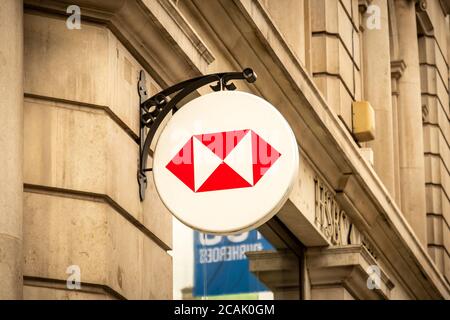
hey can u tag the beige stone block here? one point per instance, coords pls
(440, 25)
(435, 230)
(436, 173)
(436, 115)
(446, 234)
(334, 18)
(329, 62)
(433, 84)
(92, 66)
(346, 69)
(60, 231)
(84, 150)
(329, 86)
(337, 97)
(437, 201)
(289, 17)
(430, 54)
(75, 67)
(324, 13)
(336, 61)
(427, 53)
(435, 143)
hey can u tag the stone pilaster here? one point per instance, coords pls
(377, 90)
(397, 68)
(11, 148)
(411, 161)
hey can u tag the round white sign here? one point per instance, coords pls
(225, 162)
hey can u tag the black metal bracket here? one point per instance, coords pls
(154, 109)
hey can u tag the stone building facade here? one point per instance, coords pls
(366, 220)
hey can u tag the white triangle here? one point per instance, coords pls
(240, 158)
(205, 162)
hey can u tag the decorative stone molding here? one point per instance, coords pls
(348, 267)
(445, 5)
(423, 19)
(397, 68)
(278, 270)
(176, 23)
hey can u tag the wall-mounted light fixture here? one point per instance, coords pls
(363, 118)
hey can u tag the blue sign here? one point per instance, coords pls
(221, 266)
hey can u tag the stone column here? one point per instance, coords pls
(11, 148)
(411, 157)
(377, 90)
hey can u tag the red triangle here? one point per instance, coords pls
(264, 156)
(223, 178)
(221, 143)
(182, 165)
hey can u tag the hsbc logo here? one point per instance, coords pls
(223, 160)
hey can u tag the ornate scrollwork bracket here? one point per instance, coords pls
(154, 109)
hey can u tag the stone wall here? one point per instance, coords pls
(81, 201)
(434, 70)
(336, 52)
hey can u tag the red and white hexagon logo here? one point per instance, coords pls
(223, 160)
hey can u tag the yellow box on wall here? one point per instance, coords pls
(363, 118)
